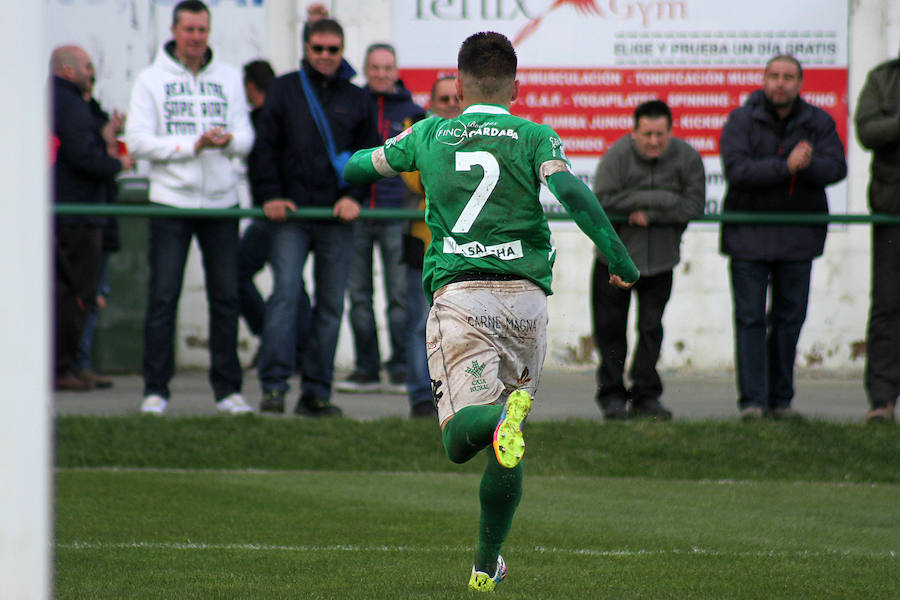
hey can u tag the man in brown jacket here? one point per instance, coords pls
(878, 129)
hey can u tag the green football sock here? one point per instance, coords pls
(500, 492)
(470, 430)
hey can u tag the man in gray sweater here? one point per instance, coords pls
(658, 184)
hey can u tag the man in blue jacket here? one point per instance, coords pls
(779, 153)
(295, 170)
(393, 106)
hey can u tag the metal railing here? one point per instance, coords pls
(137, 206)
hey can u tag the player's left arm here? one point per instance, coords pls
(590, 217)
(361, 166)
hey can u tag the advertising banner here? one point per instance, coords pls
(123, 36)
(584, 65)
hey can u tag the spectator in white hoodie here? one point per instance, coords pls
(188, 116)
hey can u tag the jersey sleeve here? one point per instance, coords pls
(548, 148)
(587, 213)
(397, 155)
(400, 150)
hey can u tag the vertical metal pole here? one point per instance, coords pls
(25, 321)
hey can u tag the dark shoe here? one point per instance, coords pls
(311, 406)
(613, 408)
(880, 414)
(70, 383)
(98, 381)
(751, 413)
(272, 402)
(785, 413)
(359, 383)
(423, 410)
(650, 409)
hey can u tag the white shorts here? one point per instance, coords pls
(485, 339)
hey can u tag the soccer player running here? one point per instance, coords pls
(488, 269)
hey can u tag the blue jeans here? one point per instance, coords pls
(291, 244)
(253, 255)
(389, 237)
(170, 240)
(418, 381)
(83, 355)
(766, 344)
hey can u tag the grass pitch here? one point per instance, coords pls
(303, 530)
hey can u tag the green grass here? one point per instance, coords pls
(286, 508)
(804, 451)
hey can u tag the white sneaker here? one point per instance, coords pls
(153, 404)
(234, 404)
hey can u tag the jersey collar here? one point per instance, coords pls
(491, 109)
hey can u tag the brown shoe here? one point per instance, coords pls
(751, 413)
(70, 383)
(98, 381)
(880, 414)
(785, 413)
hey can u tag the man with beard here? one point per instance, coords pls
(779, 153)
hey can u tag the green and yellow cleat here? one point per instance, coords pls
(482, 582)
(509, 444)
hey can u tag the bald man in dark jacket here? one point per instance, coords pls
(81, 174)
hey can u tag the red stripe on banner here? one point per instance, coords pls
(592, 108)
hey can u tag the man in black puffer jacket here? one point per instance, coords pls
(878, 129)
(779, 153)
(81, 175)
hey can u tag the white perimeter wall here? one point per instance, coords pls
(698, 325)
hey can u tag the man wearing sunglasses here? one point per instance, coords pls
(296, 169)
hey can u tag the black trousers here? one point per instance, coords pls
(79, 249)
(882, 375)
(610, 318)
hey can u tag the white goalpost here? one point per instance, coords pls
(25, 318)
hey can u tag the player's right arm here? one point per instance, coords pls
(587, 213)
(361, 167)
(371, 164)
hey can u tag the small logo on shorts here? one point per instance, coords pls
(476, 371)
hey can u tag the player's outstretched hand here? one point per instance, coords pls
(618, 282)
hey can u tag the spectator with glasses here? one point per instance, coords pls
(297, 167)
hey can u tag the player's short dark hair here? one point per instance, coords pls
(490, 59)
(787, 58)
(323, 26)
(191, 6)
(652, 109)
(259, 73)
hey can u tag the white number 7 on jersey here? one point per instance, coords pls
(464, 162)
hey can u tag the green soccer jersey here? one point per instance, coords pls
(481, 172)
